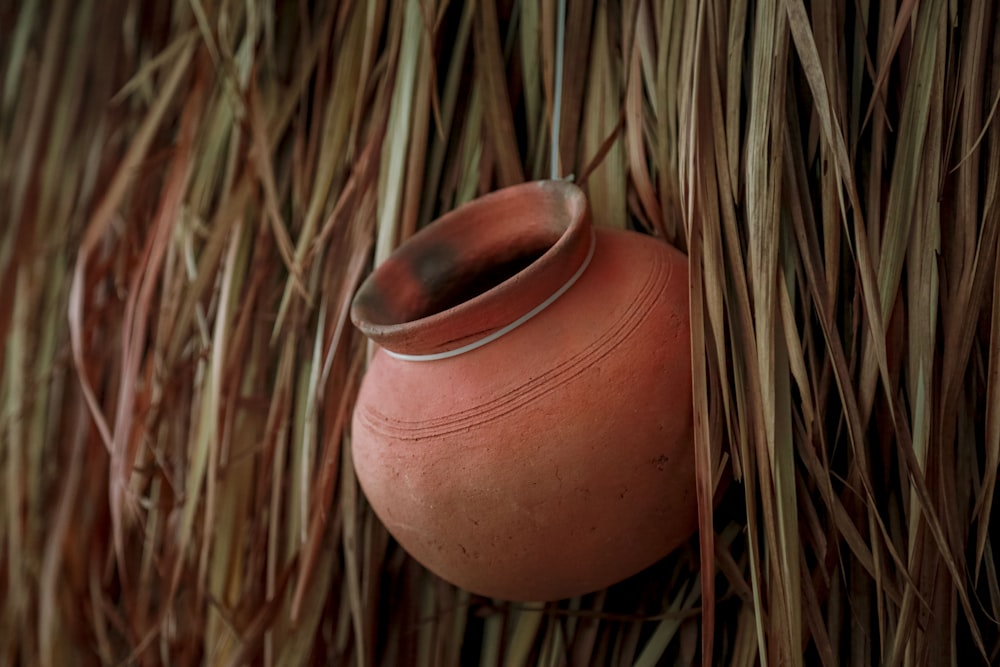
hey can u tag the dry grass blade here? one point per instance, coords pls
(328, 462)
(265, 171)
(636, 125)
(43, 89)
(702, 436)
(394, 150)
(491, 70)
(604, 172)
(653, 651)
(991, 464)
(100, 222)
(773, 430)
(833, 133)
(448, 104)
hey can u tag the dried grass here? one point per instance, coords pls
(192, 192)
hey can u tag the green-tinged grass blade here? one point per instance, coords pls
(654, 649)
(426, 633)
(394, 150)
(605, 183)
(491, 651)
(469, 162)
(522, 636)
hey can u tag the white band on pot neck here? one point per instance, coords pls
(510, 327)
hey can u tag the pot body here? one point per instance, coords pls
(556, 459)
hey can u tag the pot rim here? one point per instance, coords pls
(403, 304)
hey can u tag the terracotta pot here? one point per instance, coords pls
(525, 429)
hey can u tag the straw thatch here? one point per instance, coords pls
(190, 192)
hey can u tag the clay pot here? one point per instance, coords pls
(525, 428)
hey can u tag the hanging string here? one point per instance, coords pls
(557, 104)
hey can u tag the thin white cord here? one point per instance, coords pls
(557, 103)
(510, 327)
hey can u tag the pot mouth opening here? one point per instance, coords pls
(463, 286)
(485, 263)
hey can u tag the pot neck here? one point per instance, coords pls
(477, 273)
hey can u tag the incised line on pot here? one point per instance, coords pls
(636, 313)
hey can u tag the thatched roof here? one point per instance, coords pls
(191, 192)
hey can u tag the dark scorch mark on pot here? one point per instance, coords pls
(448, 281)
(433, 267)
